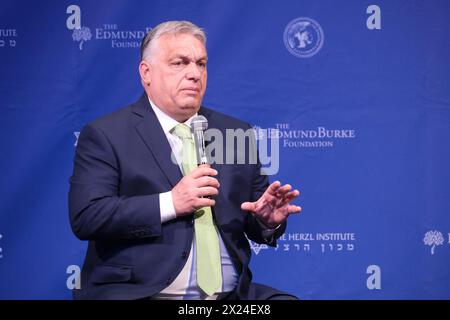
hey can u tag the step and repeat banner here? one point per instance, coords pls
(356, 94)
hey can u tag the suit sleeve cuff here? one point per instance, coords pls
(267, 232)
(166, 207)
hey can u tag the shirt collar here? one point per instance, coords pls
(167, 123)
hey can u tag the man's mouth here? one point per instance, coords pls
(194, 90)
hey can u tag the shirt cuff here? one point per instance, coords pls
(166, 207)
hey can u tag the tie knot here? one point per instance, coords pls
(182, 131)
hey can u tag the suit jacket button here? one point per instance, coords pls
(184, 255)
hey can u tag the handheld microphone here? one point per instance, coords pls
(198, 125)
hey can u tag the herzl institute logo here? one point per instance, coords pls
(303, 37)
(433, 239)
(256, 247)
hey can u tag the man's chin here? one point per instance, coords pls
(191, 106)
(188, 111)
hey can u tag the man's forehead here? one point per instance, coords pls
(182, 45)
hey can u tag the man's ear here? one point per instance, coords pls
(145, 72)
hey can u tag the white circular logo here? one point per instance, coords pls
(303, 37)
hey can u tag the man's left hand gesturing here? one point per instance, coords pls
(274, 206)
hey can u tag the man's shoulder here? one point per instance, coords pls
(112, 118)
(216, 118)
(116, 119)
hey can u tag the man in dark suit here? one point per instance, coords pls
(154, 224)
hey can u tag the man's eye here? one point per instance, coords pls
(202, 64)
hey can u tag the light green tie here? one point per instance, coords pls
(209, 270)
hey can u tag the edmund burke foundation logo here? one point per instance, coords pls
(109, 32)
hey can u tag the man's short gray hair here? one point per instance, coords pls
(169, 27)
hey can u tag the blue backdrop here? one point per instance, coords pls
(358, 90)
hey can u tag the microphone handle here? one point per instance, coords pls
(199, 141)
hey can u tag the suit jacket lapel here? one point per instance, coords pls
(150, 130)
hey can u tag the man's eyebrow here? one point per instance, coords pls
(185, 57)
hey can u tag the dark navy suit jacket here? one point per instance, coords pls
(121, 165)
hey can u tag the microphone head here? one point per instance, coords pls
(199, 123)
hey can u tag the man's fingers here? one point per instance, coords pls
(204, 202)
(291, 195)
(206, 181)
(282, 191)
(203, 171)
(288, 197)
(294, 209)
(207, 191)
(273, 188)
(248, 206)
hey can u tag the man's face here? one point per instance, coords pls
(177, 75)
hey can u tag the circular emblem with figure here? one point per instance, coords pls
(303, 37)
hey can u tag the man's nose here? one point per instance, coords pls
(194, 72)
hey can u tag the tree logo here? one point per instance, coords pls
(259, 132)
(81, 35)
(433, 239)
(303, 37)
